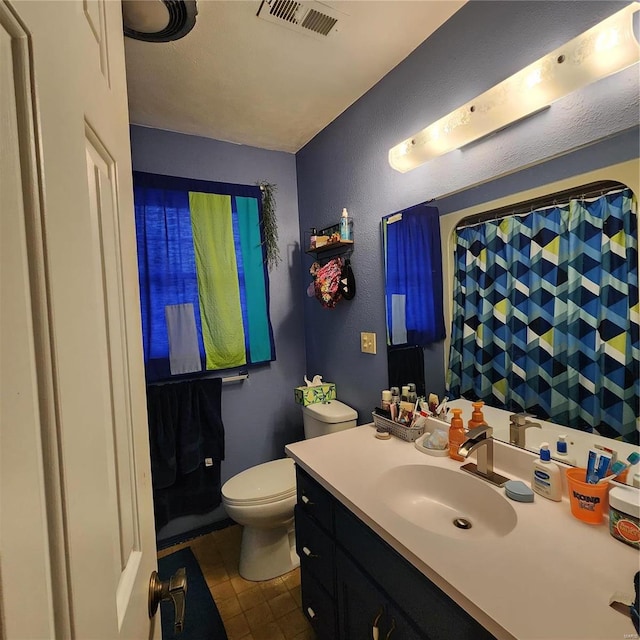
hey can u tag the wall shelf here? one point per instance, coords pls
(331, 247)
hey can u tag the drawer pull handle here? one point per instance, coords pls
(311, 612)
(375, 630)
(393, 626)
(307, 552)
(305, 500)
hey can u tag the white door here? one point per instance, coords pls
(77, 541)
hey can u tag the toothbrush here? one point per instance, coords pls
(633, 458)
(440, 408)
(619, 467)
(616, 469)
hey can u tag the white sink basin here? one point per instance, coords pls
(442, 501)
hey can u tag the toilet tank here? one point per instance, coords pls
(327, 417)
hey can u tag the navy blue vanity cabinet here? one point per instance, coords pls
(353, 581)
(315, 544)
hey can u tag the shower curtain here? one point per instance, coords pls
(546, 318)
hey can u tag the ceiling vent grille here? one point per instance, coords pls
(319, 22)
(311, 18)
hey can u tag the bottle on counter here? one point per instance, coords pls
(546, 479)
(386, 400)
(477, 417)
(457, 435)
(562, 454)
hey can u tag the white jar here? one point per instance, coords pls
(624, 515)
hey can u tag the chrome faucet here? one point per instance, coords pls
(480, 439)
(518, 422)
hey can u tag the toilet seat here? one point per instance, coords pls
(262, 484)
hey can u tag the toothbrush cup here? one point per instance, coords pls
(589, 502)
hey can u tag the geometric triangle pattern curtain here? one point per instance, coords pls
(204, 285)
(546, 315)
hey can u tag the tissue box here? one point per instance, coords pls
(311, 395)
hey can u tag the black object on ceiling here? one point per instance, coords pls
(158, 20)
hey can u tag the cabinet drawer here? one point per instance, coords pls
(316, 549)
(430, 609)
(314, 500)
(318, 607)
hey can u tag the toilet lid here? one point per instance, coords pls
(263, 483)
(330, 412)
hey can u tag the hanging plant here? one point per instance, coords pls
(270, 224)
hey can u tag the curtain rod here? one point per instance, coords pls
(527, 206)
(240, 376)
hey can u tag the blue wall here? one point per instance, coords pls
(346, 164)
(259, 414)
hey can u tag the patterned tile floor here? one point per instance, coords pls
(269, 610)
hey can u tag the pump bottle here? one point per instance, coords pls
(546, 479)
(477, 417)
(457, 435)
(562, 455)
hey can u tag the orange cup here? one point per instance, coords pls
(589, 502)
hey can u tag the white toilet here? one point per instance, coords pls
(262, 499)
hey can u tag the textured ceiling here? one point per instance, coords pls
(239, 78)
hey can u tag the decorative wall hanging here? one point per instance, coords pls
(270, 224)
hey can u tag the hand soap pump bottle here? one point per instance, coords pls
(562, 455)
(457, 435)
(546, 479)
(346, 226)
(477, 417)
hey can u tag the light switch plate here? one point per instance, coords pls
(368, 342)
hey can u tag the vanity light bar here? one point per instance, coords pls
(603, 50)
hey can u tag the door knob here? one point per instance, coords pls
(174, 589)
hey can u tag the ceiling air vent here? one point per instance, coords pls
(311, 18)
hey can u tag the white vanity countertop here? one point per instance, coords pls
(550, 578)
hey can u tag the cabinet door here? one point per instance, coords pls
(429, 608)
(362, 607)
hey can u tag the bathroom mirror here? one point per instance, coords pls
(627, 173)
(413, 292)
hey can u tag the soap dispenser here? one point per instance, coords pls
(562, 455)
(457, 435)
(546, 479)
(477, 417)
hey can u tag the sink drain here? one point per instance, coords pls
(462, 523)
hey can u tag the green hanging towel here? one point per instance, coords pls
(218, 289)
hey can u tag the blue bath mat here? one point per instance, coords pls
(202, 619)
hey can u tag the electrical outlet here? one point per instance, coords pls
(368, 342)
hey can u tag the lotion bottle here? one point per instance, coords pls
(562, 455)
(457, 435)
(546, 479)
